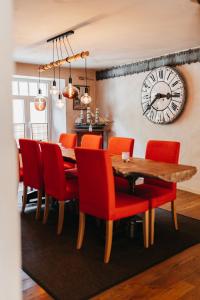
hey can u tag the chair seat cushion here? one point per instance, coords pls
(121, 184)
(155, 194)
(68, 165)
(128, 204)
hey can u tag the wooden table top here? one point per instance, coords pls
(139, 167)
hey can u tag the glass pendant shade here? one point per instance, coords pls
(53, 89)
(70, 91)
(40, 101)
(60, 102)
(86, 98)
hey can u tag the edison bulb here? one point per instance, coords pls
(53, 89)
(86, 99)
(60, 101)
(70, 91)
(40, 101)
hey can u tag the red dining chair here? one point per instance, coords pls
(68, 141)
(32, 170)
(91, 141)
(157, 191)
(98, 197)
(116, 146)
(57, 182)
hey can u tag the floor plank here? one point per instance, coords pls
(176, 278)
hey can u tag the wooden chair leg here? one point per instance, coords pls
(152, 222)
(146, 229)
(61, 216)
(24, 199)
(108, 245)
(81, 230)
(174, 214)
(46, 209)
(39, 204)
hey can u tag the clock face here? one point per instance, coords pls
(163, 95)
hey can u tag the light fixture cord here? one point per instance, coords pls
(61, 54)
(57, 50)
(65, 46)
(54, 70)
(70, 46)
(86, 72)
(70, 68)
(39, 76)
(59, 79)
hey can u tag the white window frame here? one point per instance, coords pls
(28, 99)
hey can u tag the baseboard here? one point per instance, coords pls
(188, 189)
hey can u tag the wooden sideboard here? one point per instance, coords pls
(103, 132)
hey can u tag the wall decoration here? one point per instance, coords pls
(174, 59)
(77, 104)
(163, 95)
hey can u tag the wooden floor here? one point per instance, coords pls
(175, 278)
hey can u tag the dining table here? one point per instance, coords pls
(134, 168)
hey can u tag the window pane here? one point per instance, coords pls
(15, 88)
(33, 89)
(37, 116)
(18, 111)
(44, 88)
(23, 88)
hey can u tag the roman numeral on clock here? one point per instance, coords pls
(161, 73)
(174, 106)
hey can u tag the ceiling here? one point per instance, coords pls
(114, 31)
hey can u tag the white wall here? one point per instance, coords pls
(120, 98)
(9, 218)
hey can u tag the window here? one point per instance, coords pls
(27, 121)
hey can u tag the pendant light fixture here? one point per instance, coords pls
(86, 98)
(59, 102)
(53, 88)
(70, 91)
(40, 101)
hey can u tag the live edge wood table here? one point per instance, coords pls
(139, 167)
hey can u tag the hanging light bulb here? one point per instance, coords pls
(53, 88)
(40, 101)
(60, 102)
(86, 98)
(70, 91)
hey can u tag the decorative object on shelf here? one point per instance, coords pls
(174, 59)
(90, 127)
(86, 98)
(77, 104)
(53, 88)
(59, 102)
(88, 115)
(40, 101)
(163, 95)
(81, 116)
(96, 116)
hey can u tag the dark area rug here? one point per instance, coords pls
(66, 273)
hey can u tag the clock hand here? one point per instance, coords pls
(158, 96)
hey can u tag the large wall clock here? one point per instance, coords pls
(163, 95)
